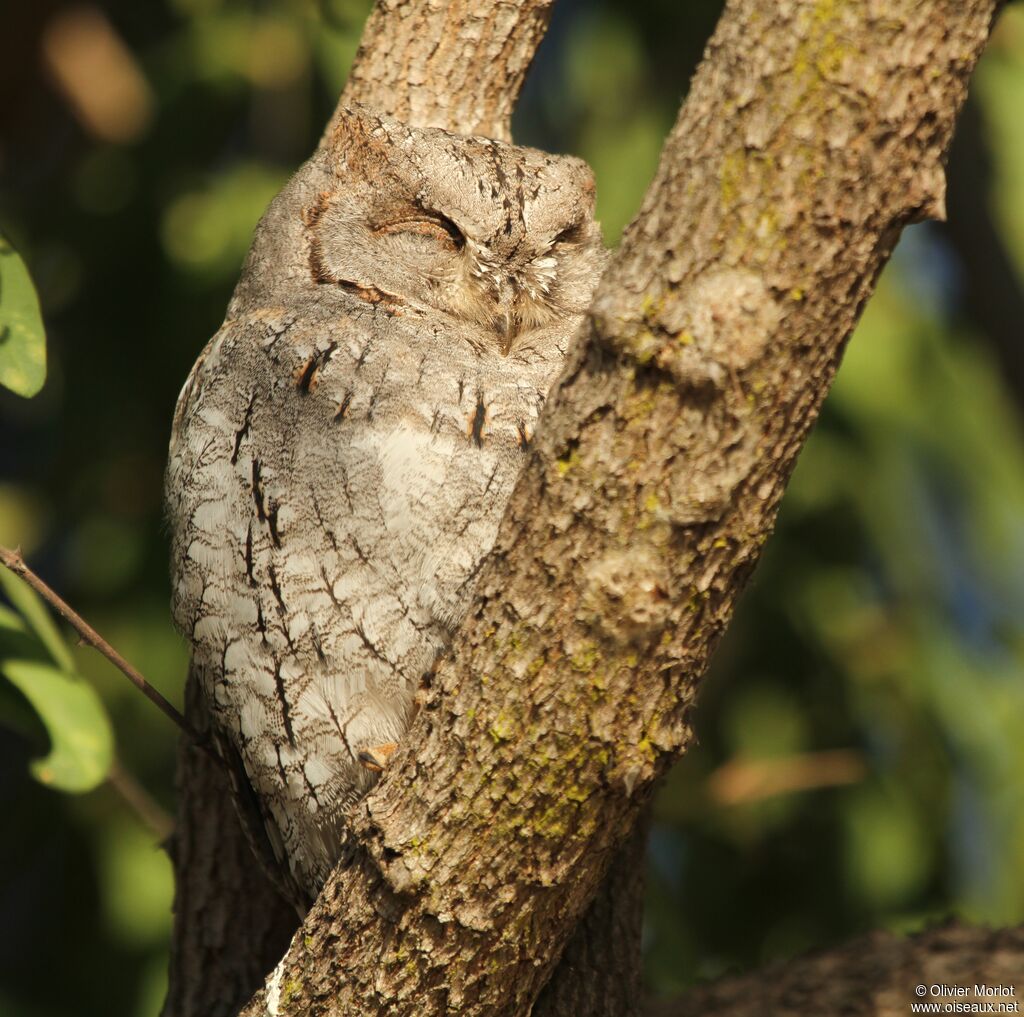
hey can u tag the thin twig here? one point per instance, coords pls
(14, 561)
(741, 781)
(139, 800)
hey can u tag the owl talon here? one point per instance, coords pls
(376, 757)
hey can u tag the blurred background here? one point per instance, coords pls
(861, 761)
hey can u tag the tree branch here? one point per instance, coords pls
(600, 972)
(874, 976)
(458, 65)
(812, 135)
(993, 289)
(14, 561)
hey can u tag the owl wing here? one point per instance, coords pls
(292, 546)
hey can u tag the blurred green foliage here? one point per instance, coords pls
(22, 339)
(875, 663)
(37, 662)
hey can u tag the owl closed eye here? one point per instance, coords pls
(432, 226)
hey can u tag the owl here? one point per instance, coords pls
(343, 450)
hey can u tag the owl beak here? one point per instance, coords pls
(505, 332)
(506, 322)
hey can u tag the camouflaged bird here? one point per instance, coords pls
(344, 448)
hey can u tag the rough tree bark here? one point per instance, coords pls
(600, 971)
(459, 64)
(874, 976)
(231, 926)
(813, 132)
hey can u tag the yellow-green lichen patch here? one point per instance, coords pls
(515, 639)
(644, 345)
(291, 989)
(419, 849)
(575, 793)
(821, 53)
(569, 461)
(639, 407)
(550, 823)
(745, 174)
(650, 306)
(503, 729)
(586, 658)
(730, 177)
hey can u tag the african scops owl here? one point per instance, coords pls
(344, 448)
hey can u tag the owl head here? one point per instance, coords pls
(500, 237)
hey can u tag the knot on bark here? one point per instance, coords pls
(725, 319)
(625, 595)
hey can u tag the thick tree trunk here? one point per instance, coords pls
(230, 924)
(600, 972)
(813, 133)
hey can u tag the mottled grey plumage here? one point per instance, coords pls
(345, 445)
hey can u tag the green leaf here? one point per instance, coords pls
(22, 337)
(11, 620)
(17, 642)
(81, 738)
(35, 612)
